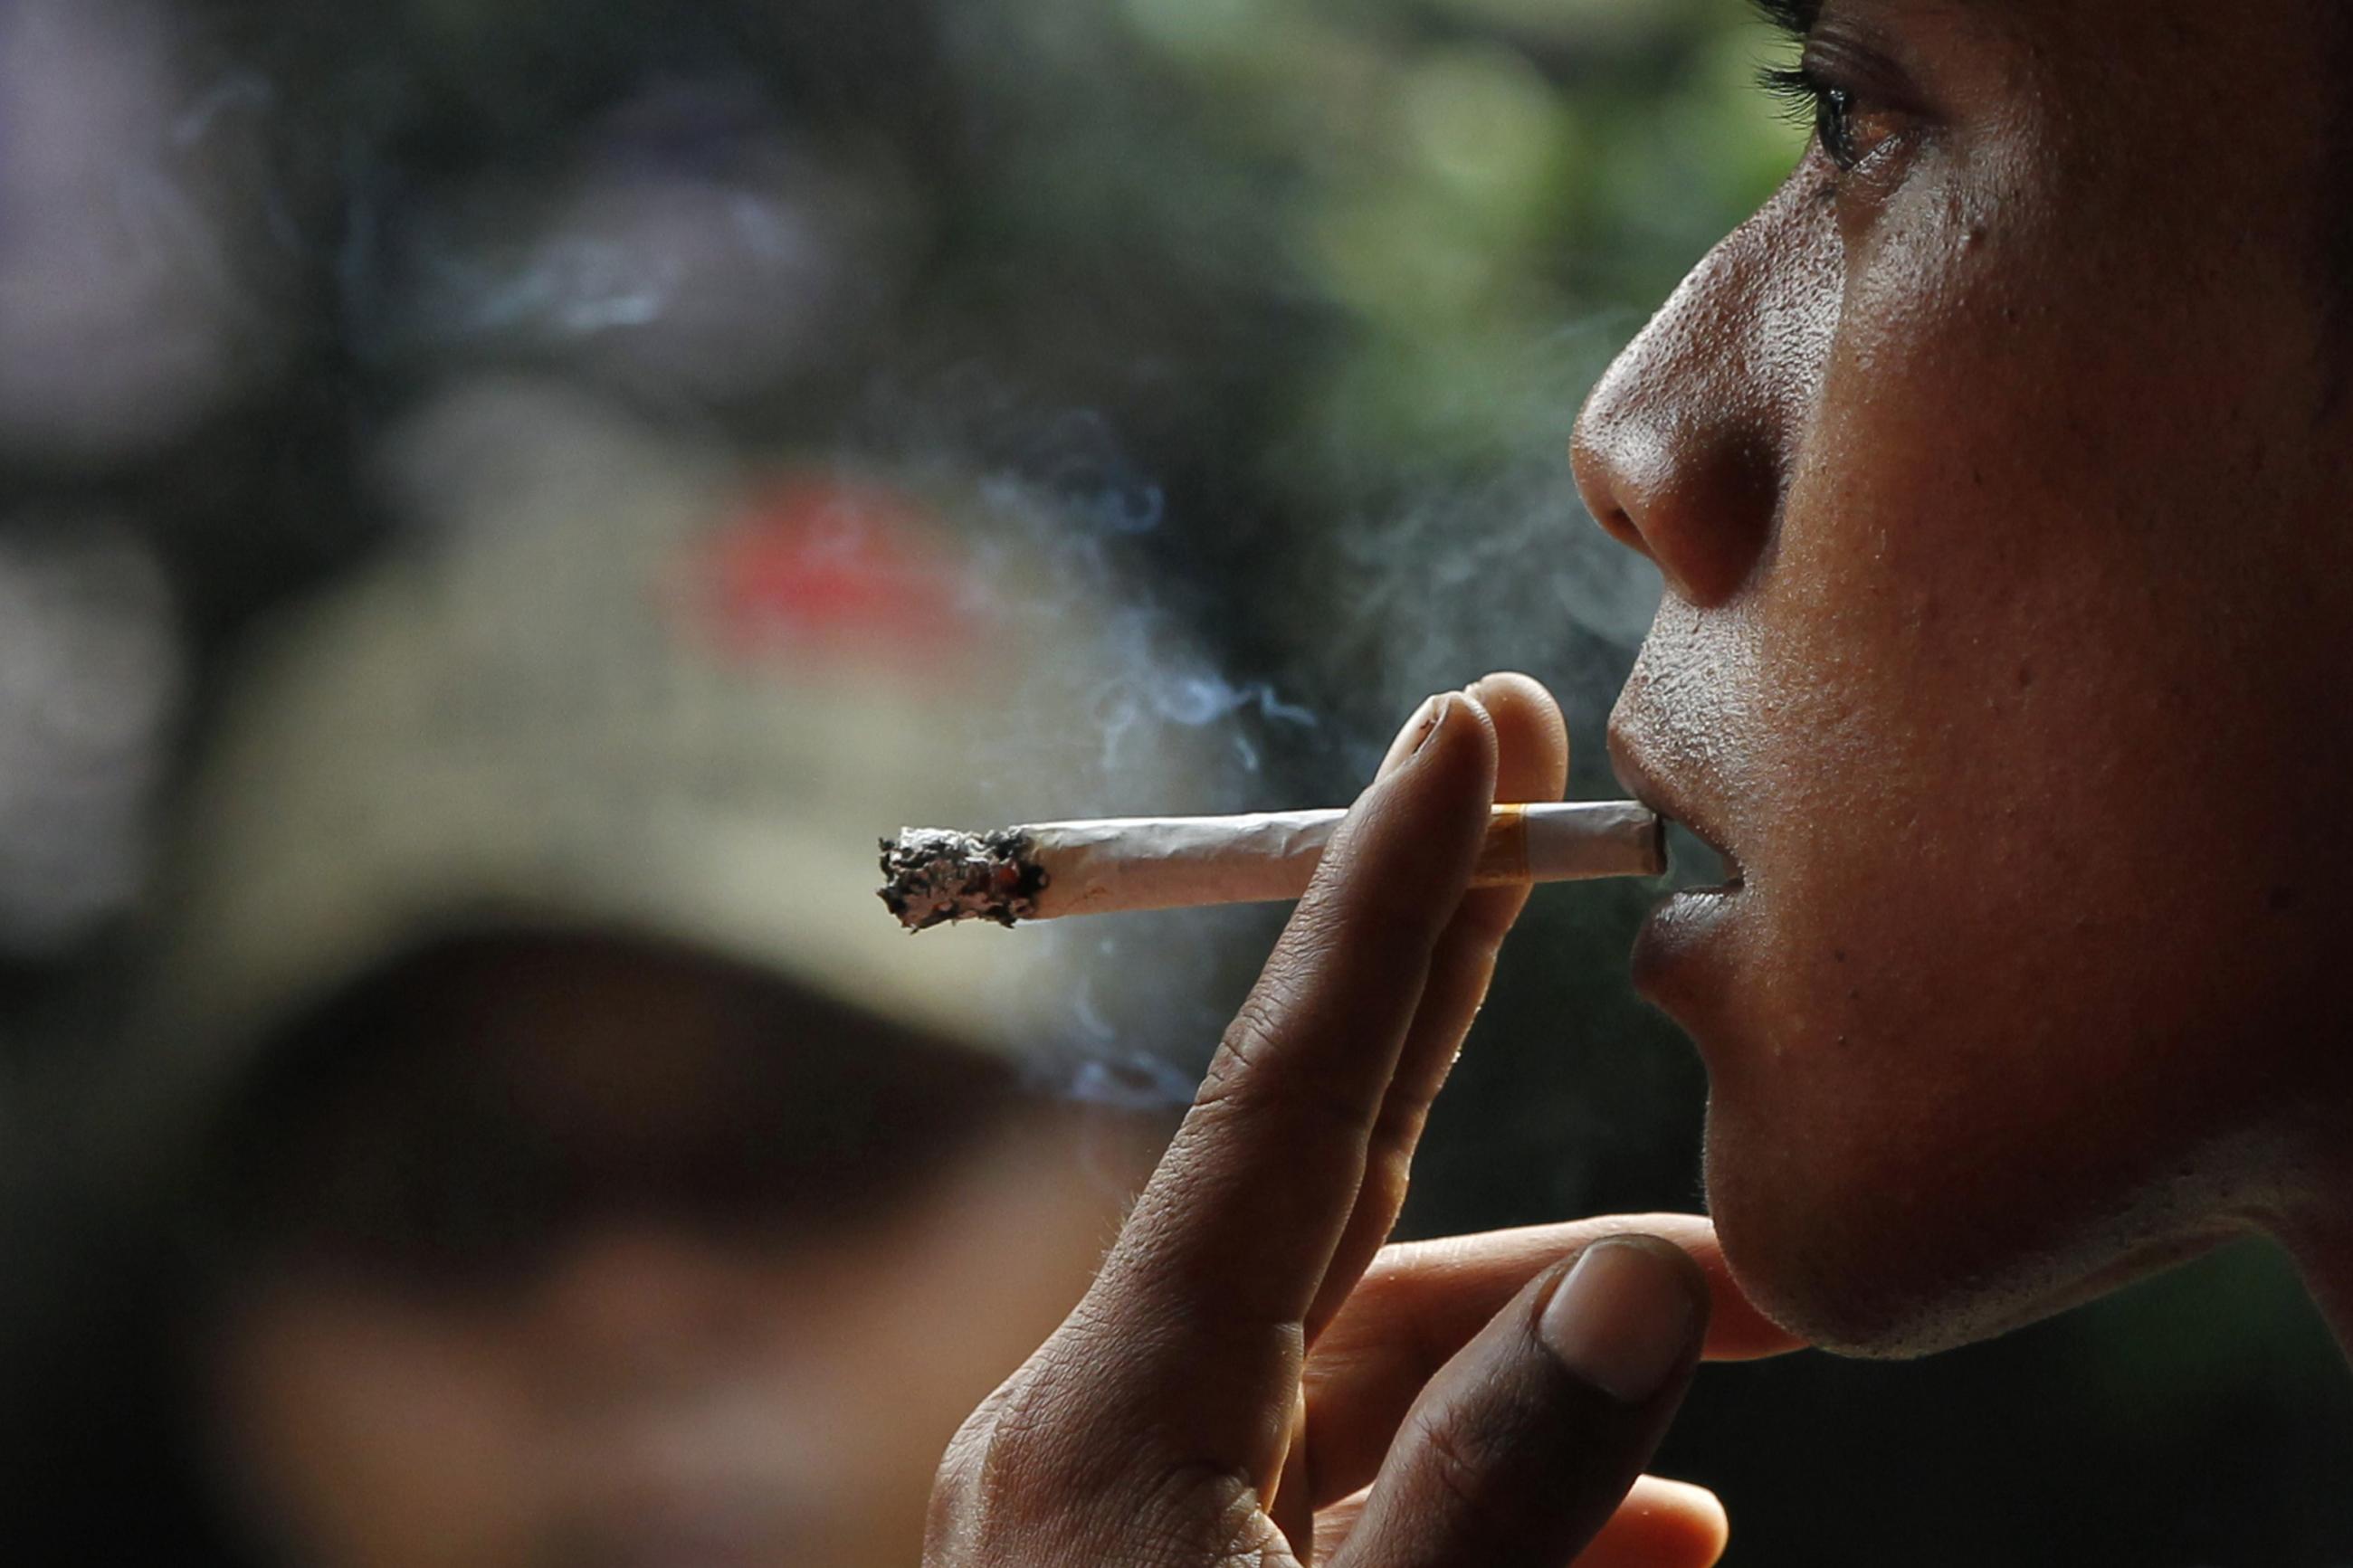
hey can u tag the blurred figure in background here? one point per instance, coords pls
(585, 1169)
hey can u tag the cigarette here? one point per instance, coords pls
(1049, 870)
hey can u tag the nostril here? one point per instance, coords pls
(1621, 527)
(1700, 502)
(1600, 479)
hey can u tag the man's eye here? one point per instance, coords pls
(1847, 132)
(1834, 126)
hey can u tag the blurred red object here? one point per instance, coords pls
(835, 568)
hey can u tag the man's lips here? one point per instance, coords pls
(1660, 795)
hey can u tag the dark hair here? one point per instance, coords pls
(416, 1120)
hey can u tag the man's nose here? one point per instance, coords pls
(629, 1306)
(1683, 451)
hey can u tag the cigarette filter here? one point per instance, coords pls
(1049, 870)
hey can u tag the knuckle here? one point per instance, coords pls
(1026, 1447)
(1035, 1478)
(1496, 1452)
(1276, 1009)
(1372, 905)
(1248, 1050)
(1017, 1474)
(975, 1459)
(1214, 1518)
(1006, 1501)
(1457, 1459)
(1251, 1077)
(955, 1485)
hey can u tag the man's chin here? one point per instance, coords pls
(1860, 1278)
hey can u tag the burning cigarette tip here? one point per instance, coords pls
(932, 876)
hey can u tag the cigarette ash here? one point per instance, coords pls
(936, 875)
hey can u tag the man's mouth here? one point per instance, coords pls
(1697, 865)
(1699, 861)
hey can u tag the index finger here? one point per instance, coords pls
(1531, 765)
(1229, 1242)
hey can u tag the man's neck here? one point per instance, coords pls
(2319, 1237)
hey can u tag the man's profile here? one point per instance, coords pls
(1996, 470)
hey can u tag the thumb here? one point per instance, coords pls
(1519, 1450)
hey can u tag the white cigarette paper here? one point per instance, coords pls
(1049, 870)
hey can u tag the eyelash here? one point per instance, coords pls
(1809, 101)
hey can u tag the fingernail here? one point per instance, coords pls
(1425, 722)
(1622, 1321)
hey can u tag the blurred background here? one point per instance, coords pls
(999, 409)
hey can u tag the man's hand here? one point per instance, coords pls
(1242, 1364)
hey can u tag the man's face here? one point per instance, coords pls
(1997, 469)
(605, 1257)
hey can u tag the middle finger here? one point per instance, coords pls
(1206, 1294)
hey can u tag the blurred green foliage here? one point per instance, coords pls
(1457, 179)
